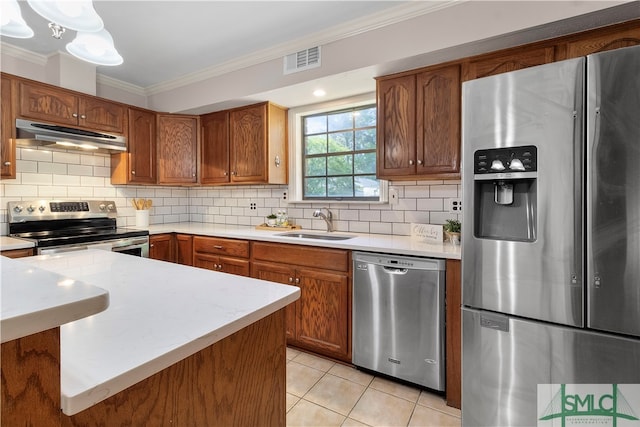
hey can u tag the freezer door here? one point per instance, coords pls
(540, 277)
(613, 197)
(504, 359)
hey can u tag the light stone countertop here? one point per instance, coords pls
(382, 243)
(9, 243)
(160, 313)
(34, 300)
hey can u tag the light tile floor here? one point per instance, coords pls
(324, 393)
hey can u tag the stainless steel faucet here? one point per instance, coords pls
(327, 218)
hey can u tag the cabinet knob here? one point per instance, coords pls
(277, 161)
(7, 163)
(233, 172)
(193, 175)
(133, 172)
(419, 162)
(290, 279)
(297, 280)
(83, 116)
(74, 115)
(224, 173)
(411, 162)
(151, 245)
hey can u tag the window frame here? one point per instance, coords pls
(296, 162)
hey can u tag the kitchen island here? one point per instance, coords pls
(177, 345)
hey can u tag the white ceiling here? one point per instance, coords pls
(165, 43)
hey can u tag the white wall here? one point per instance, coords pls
(67, 175)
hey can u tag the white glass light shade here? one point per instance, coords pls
(96, 48)
(78, 15)
(13, 25)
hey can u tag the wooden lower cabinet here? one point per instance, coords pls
(224, 255)
(319, 320)
(17, 253)
(184, 249)
(161, 247)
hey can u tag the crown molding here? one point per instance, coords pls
(119, 84)
(23, 54)
(352, 28)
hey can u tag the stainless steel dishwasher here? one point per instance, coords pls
(398, 317)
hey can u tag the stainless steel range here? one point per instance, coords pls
(61, 226)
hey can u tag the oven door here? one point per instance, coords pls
(137, 246)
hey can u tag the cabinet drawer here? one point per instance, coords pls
(217, 246)
(307, 256)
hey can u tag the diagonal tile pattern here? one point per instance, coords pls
(324, 393)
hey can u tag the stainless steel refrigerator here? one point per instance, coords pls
(550, 235)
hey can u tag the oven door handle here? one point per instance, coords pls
(60, 250)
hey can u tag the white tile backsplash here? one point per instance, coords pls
(59, 174)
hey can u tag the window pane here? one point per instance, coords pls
(366, 186)
(315, 124)
(364, 163)
(339, 142)
(366, 117)
(340, 165)
(315, 187)
(340, 186)
(316, 166)
(315, 144)
(341, 121)
(366, 139)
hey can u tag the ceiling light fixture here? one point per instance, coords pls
(93, 43)
(96, 48)
(12, 23)
(78, 15)
(319, 92)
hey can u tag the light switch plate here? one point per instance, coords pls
(393, 196)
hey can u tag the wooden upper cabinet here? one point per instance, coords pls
(138, 164)
(396, 129)
(505, 61)
(177, 149)
(258, 144)
(601, 40)
(7, 132)
(214, 164)
(48, 103)
(438, 122)
(419, 125)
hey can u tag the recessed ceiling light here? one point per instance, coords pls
(319, 92)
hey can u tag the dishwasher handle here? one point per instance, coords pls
(395, 270)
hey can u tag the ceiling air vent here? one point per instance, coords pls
(303, 60)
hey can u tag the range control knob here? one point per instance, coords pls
(110, 207)
(31, 208)
(41, 208)
(18, 208)
(497, 165)
(102, 206)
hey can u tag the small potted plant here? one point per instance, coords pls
(452, 231)
(271, 220)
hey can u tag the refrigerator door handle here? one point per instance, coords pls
(494, 321)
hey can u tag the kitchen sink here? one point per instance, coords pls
(317, 236)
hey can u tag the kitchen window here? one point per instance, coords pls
(339, 155)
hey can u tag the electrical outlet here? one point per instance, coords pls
(284, 196)
(393, 196)
(454, 205)
(252, 206)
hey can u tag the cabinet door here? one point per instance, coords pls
(161, 247)
(177, 149)
(17, 253)
(438, 120)
(248, 136)
(7, 130)
(396, 127)
(142, 147)
(214, 167)
(279, 273)
(323, 317)
(603, 40)
(237, 266)
(489, 65)
(184, 249)
(101, 115)
(45, 103)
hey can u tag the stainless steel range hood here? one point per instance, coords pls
(32, 133)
